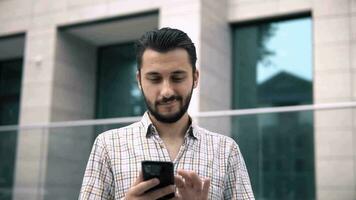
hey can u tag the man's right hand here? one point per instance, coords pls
(137, 191)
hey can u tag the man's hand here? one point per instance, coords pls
(191, 187)
(137, 191)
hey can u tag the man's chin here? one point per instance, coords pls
(168, 118)
(168, 114)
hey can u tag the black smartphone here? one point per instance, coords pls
(161, 170)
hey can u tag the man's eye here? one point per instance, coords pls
(154, 79)
(177, 79)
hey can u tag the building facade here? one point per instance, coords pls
(73, 60)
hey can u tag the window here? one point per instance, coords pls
(117, 92)
(10, 86)
(272, 64)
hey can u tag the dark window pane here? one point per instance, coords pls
(273, 67)
(117, 91)
(10, 87)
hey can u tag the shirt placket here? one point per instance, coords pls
(162, 151)
(181, 151)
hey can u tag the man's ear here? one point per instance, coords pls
(138, 79)
(196, 78)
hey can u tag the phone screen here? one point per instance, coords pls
(161, 170)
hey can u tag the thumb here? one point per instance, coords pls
(139, 179)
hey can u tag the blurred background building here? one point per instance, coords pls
(64, 61)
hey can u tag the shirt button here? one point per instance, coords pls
(161, 145)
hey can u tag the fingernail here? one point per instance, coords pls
(156, 181)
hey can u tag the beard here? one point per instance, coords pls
(171, 118)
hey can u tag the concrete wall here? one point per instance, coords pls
(334, 82)
(74, 79)
(73, 99)
(177, 14)
(215, 72)
(243, 10)
(36, 100)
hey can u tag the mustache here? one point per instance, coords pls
(168, 99)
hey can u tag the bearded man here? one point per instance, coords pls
(207, 165)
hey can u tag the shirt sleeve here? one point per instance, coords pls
(237, 181)
(98, 180)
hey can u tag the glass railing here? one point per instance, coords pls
(278, 149)
(281, 147)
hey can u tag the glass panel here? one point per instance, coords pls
(279, 153)
(67, 158)
(7, 163)
(279, 159)
(10, 86)
(275, 70)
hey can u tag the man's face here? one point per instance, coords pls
(167, 82)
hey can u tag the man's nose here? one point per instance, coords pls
(167, 90)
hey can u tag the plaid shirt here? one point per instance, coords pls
(115, 161)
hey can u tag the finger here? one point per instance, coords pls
(177, 196)
(206, 186)
(139, 179)
(142, 187)
(187, 177)
(178, 180)
(197, 182)
(161, 192)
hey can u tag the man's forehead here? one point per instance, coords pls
(177, 53)
(173, 60)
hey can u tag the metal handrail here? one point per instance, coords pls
(220, 113)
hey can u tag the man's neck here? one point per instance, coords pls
(172, 130)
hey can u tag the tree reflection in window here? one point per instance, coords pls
(273, 67)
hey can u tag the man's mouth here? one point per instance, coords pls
(169, 102)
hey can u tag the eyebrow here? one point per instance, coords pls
(152, 74)
(178, 72)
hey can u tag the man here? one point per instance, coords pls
(208, 165)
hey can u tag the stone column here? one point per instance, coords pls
(36, 101)
(334, 82)
(216, 67)
(186, 16)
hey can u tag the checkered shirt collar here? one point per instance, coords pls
(150, 129)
